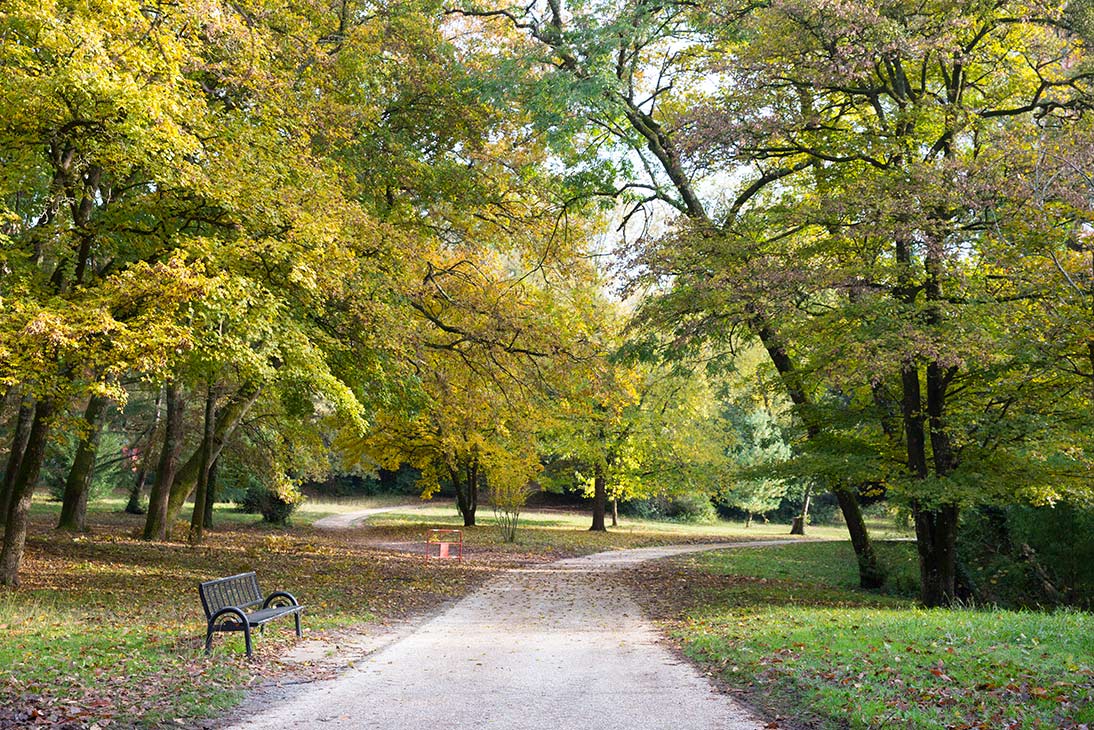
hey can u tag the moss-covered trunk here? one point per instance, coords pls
(78, 484)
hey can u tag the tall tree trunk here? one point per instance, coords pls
(15, 533)
(201, 494)
(133, 507)
(1090, 340)
(936, 528)
(155, 526)
(211, 493)
(615, 512)
(870, 572)
(600, 498)
(19, 441)
(78, 483)
(229, 417)
(935, 523)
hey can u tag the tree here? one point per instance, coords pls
(490, 346)
(897, 130)
(634, 426)
(632, 73)
(758, 447)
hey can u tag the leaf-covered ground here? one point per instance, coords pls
(107, 629)
(785, 627)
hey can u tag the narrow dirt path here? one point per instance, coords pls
(552, 647)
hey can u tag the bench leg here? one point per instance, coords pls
(209, 639)
(247, 638)
(297, 617)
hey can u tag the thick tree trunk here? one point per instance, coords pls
(201, 494)
(600, 499)
(19, 440)
(15, 533)
(156, 525)
(870, 572)
(78, 483)
(936, 529)
(798, 528)
(936, 537)
(472, 502)
(133, 507)
(935, 526)
(186, 479)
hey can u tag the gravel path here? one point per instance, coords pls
(352, 519)
(551, 647)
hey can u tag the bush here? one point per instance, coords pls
(275, 503)
(688, 507)
(1022, 556)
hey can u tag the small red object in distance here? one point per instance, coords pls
(445, 540)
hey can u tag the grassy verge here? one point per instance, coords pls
(786, 627)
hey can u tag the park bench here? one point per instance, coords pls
(226, 602)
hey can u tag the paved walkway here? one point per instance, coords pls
(552, 647)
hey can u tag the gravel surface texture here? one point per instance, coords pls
(551, 647)
(353, 519)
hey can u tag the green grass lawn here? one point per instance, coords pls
(787, 627)
(565, 532)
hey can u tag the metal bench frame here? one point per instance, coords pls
(225, 601)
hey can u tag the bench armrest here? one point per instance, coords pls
(280, 595)
(229, 611)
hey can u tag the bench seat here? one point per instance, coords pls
(228, 604)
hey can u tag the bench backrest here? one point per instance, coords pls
(237, 590)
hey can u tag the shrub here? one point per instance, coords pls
(690, 507)
(1024, 556)
(687, 507)
(275, 503)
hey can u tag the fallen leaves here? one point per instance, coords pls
(108, 630)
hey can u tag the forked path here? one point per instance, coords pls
(553, 647)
